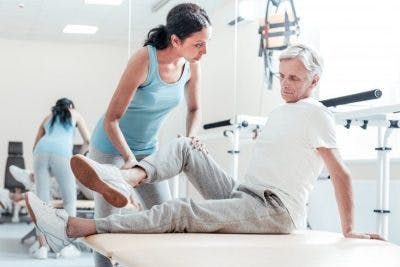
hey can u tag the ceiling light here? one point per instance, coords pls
(104, 2)
(80, 29)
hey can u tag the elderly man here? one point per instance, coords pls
(298, 139)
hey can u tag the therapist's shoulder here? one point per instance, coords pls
(140, 56)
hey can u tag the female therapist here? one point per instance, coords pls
(155, 80)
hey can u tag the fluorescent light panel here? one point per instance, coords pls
(80, 29)
(104, 2)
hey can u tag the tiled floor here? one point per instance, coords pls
(15, 254)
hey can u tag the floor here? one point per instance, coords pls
(13, 253)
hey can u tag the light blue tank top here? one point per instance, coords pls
(59, 139)
(151, 104)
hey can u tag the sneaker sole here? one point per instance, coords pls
(84, 172)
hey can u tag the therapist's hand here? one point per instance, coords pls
(196, 143)
(129, 164)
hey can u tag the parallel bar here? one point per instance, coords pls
(368, 95)
(343, 100)
(217, 124)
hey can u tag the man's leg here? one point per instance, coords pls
(243, 213)
(178, 156)
(203, 172)
(65, 180)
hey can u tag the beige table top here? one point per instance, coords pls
(304, 248)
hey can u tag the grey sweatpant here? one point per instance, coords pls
(228, 208)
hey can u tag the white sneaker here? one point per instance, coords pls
(35, 246)
(102, 178)
(15, 218)
(51, 222)
(23, 176)
(41, 253)
(70, 252)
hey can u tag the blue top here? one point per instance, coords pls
(151, 104)
(59, 139)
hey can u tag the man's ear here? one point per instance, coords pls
(315, 81)
(175, 41)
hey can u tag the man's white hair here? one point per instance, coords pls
(310, 59)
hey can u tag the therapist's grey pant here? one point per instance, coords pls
(150, 194)
(227, 208)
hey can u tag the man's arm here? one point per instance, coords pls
(341, 180)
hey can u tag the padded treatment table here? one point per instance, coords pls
(303, 248)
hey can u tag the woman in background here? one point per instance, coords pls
(51, 155)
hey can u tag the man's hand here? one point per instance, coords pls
(364, 236)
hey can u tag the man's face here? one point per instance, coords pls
(294, 80)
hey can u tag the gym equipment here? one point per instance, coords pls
(15, 157)
(386, 119)
(278, 31)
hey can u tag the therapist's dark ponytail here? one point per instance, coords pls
(182, 20)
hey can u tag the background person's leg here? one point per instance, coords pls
(62, 172)
(41, 169)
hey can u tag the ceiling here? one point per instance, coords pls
(44, 20)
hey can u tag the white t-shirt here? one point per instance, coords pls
(285, 157)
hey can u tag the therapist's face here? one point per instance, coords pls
(193, 47)
(295, 81)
